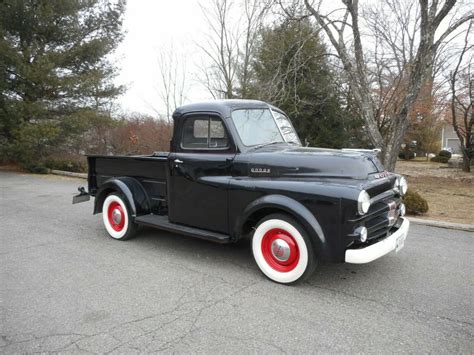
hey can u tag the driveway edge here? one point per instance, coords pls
(68, 173)
(440, 224)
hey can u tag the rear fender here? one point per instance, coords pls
(293, 208)
(134, 193)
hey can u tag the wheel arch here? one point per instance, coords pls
(270, 204)
(133, 192)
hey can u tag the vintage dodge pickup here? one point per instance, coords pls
(236, 169)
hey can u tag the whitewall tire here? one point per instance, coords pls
(117, 218)
(282, 250)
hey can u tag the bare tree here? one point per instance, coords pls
(221, 48)
(413, 43)
(392, 27)
(172, 80)
(230, 45)
(254, 15)
(462, 101)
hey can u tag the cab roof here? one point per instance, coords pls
(222, 107)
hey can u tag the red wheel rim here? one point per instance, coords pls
(116, 216)
(280, 250)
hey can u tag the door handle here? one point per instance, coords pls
(177, 161)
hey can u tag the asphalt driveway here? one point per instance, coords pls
(67, 287)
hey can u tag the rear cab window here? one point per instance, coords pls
(204, 132)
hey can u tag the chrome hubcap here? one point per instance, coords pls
(116, 216)
(280, 250)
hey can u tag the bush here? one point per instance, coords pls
(440, 159)
(36, 168)
(445, 153)
(414, 203)
(406, 155)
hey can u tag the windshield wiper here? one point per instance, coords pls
(265, 144)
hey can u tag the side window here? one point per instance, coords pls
(204, 133)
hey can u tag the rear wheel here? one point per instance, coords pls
(282, 249)
(117, 218)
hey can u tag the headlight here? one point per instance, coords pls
(363, 202)
(361, 233)
(401, 185)
(402, 209)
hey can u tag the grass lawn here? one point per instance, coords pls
(449, 192)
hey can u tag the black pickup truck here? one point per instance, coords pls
(236, 169)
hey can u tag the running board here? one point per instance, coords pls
(162, 222)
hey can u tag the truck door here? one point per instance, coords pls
(199, 173)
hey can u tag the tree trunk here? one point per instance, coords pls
(390, 155)
(394, 141)
(389, 158)
(466, 161)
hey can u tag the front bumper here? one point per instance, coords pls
(379, 249)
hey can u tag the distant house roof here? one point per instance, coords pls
(222, 107)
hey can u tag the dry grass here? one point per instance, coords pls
(12, 167)
(449, 192)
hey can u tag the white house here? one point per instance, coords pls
(450, 139)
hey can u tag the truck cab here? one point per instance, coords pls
(237, 169)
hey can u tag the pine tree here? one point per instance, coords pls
(291, 70)
(56, 77)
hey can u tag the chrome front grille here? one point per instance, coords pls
(381, 218)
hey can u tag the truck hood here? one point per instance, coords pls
(290, 161)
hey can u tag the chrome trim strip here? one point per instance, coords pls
(383, 195)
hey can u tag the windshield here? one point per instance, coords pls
(260, 127)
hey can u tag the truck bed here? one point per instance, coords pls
(149, 170)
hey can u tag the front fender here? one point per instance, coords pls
(293, 208)
(130, 188)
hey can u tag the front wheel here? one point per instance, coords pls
(282, 249)
(117, 218)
